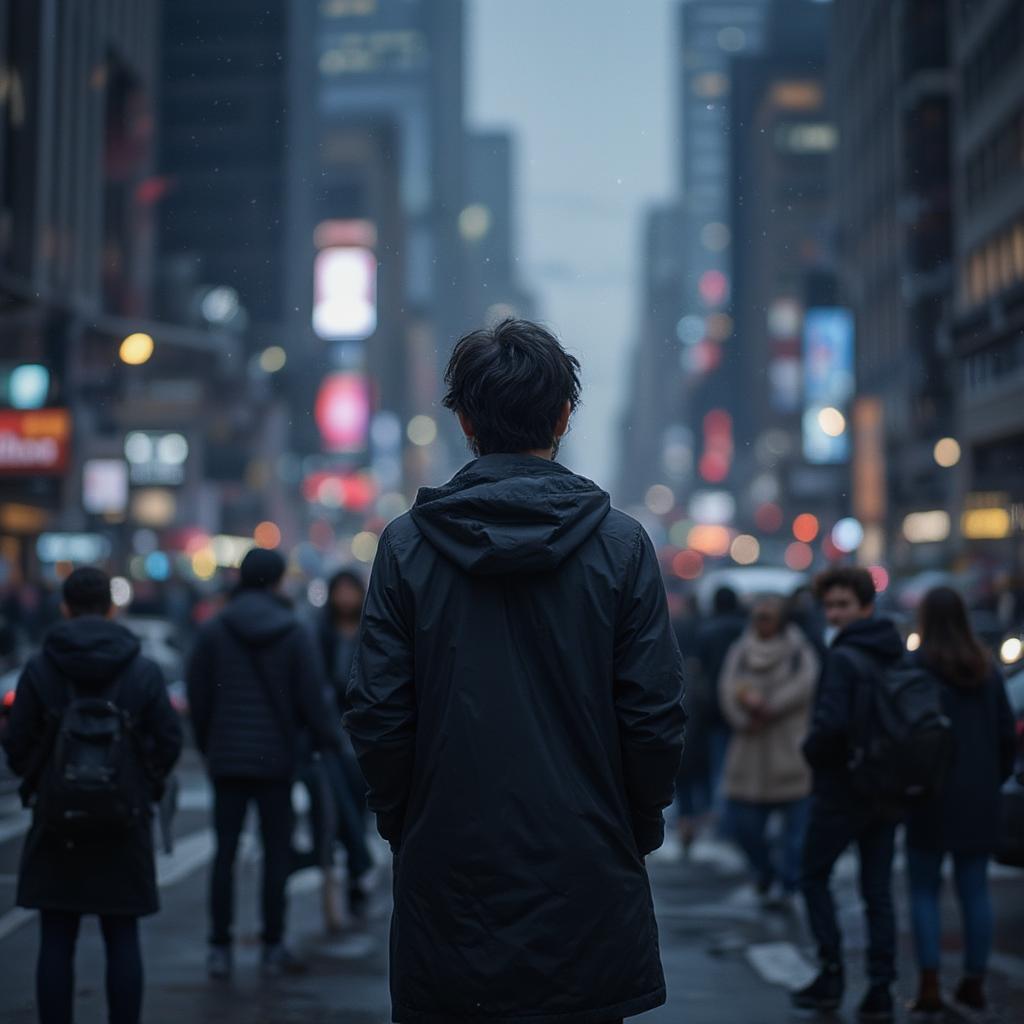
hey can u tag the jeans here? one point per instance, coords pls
(747, 824)
(831, 829)
(55, 970)
(970, 874)
(273, 799)
(344, 819)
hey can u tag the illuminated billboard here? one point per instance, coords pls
(342, 412)
(34, 442)
(828, 384)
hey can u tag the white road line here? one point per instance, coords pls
(780, 963)
(16, 827)
(14, 919)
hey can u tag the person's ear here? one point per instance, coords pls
(467, 427)
(562, 425)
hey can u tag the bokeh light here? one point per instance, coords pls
(659, 500)
(881, 577)
(806, 527)
(422, 430)
(768, 517)
(136, 349)
(947, 452)
(799, 556)
(688, 565)
(710, 540)
(267, 535)
(745, 549)
(832, 421)
(120, 592)
(273, 359)
(847, 534)
(364, 546)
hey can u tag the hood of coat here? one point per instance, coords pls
(90, 650)
(258, 617)
(876, 636)
(505, 514)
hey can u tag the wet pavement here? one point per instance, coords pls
(726, 960)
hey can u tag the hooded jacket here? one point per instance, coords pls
(255, 681)
(866, 644)
(516, 709)
(87, 656)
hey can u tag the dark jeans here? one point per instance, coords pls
(831, 829)
(273, 800)
(747, 824)
(335, 814)
(970, 874)
(55, 970)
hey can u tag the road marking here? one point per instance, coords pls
(16, 827)
(780, 963)
(14, 919)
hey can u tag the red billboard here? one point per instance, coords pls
(34, 441)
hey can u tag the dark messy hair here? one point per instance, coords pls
(948, 644)
(511, 381)
(725, 601)
(849, 576)
(86, 591)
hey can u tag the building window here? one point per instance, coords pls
(998, 51)
(995, 265)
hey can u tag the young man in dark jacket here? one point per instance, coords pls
(516, 708)
(111, 874)
(255, 680)
(862, 649)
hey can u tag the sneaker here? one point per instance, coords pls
(218, 963)
(877, 1005)
(280, 960)
(971, 993)
(824, 993)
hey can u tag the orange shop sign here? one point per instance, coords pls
(34, 441)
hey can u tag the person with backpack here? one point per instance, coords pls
(766, 694)
(963, 818)
(93, 736)
(255, 684)
(516, 706)
(865, 647)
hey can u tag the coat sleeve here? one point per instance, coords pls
(798, 691)
(1007, 732)
(311, 687)
(828, 741)
(730, 683)
(200, 682)
(648, 674)
(381, 696)
(26, 725)
(159, 727)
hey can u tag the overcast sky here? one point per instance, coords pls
(586, 88)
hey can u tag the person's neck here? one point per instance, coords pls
(542, 453)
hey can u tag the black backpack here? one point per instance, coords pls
(902, 740)
(93, 782)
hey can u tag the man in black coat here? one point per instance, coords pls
(255, 681)
(112, 875)
(864, 647)
(516, 706)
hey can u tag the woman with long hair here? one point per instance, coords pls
(963, 819)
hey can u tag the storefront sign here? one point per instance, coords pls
(34, 441)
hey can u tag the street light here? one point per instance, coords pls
(136, 349)
(947, 452)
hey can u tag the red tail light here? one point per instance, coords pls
(9, 699)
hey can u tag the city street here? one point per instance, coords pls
(727, 962)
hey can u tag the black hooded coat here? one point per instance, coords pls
(516, 705)
(109, 876)
(255, 682)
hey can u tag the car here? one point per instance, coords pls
(749, 581)
(1011, 848)
(160, 643)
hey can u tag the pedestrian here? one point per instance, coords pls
(693, 781)
(516, 705)
(339, 637)
(963, 819)
(768, 684)
(715, 637)
(88, 855)
(864, 647)
(255, 682)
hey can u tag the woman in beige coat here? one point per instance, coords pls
(766, 692)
